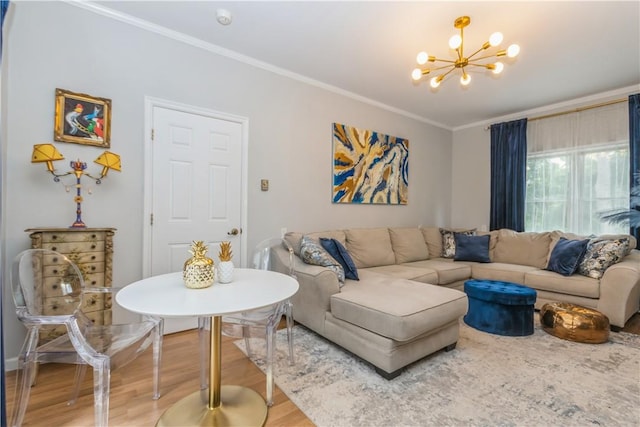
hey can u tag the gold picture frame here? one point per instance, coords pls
(82, 119)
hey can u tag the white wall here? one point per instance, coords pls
(54, 45)
(471, 159)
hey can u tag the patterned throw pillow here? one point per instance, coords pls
(312, 253)
(601, 254)
(449, 242)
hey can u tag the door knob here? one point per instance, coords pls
(233, 232)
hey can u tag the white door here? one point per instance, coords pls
(197, 189)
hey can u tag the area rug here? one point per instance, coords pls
(488, 380)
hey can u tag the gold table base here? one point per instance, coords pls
(239, 406)
(219, 406)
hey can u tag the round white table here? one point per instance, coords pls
(167, 296)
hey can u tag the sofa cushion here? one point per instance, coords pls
(312, 253)
(370, 247)
(522, 248)
(601, 254)
(471, 248)
(433, 239)
(399, 309)
(566, 255)
(448, 271)
(408, 244)
(449, 242)
(501, 271)
(340, 254)
(403, 271)
(576, 284)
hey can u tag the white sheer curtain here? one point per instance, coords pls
(578, 166)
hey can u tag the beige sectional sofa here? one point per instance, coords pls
(408, 301)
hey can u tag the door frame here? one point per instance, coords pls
(150, 103)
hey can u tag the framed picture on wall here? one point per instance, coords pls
(82, 119)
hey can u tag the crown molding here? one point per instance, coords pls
(218, 50)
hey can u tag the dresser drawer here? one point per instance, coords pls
(85, 269)
(65, 236)
(77, 258)
(59, 305)
(74, 247)
(51, 284)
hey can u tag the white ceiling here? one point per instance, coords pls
(569, 50)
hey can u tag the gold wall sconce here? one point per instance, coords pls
(48, 153)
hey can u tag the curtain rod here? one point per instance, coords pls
(575, 110)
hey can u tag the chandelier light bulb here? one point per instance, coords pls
(422, 58)
(495, 39)
(455, 41)
(498, 67)
(416, 74)
(513, 51)
(465, 79)
(435, 82)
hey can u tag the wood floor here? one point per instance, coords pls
(131, 403)
(131, 388)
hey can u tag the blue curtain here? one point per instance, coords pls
(508, 174)
(4, 6)
(634, 156)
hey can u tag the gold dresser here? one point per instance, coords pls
(91, 249)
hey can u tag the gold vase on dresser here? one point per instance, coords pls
(91, 249)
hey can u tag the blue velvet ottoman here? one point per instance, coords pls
(501, 308)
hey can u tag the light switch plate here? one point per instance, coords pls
(264, 184)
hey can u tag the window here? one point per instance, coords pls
(577, 167)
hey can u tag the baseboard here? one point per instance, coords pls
(11, 364)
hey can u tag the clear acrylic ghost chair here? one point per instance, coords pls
(261, 322)
(36, 272)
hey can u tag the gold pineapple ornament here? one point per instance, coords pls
(198, 270)
(225, 266)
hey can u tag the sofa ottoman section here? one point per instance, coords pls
(399, 312)
(398, 309)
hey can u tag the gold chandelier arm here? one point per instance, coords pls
(447, 73)
(478, 51)
(444, 60)
(485, 57)
(487, 66)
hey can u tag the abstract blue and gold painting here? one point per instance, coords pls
(369, 167)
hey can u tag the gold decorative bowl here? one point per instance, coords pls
(574, 323)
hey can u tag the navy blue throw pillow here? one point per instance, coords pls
(340, 253)
(471, 248)
(566, 256)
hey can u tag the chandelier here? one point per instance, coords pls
(456, 43)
